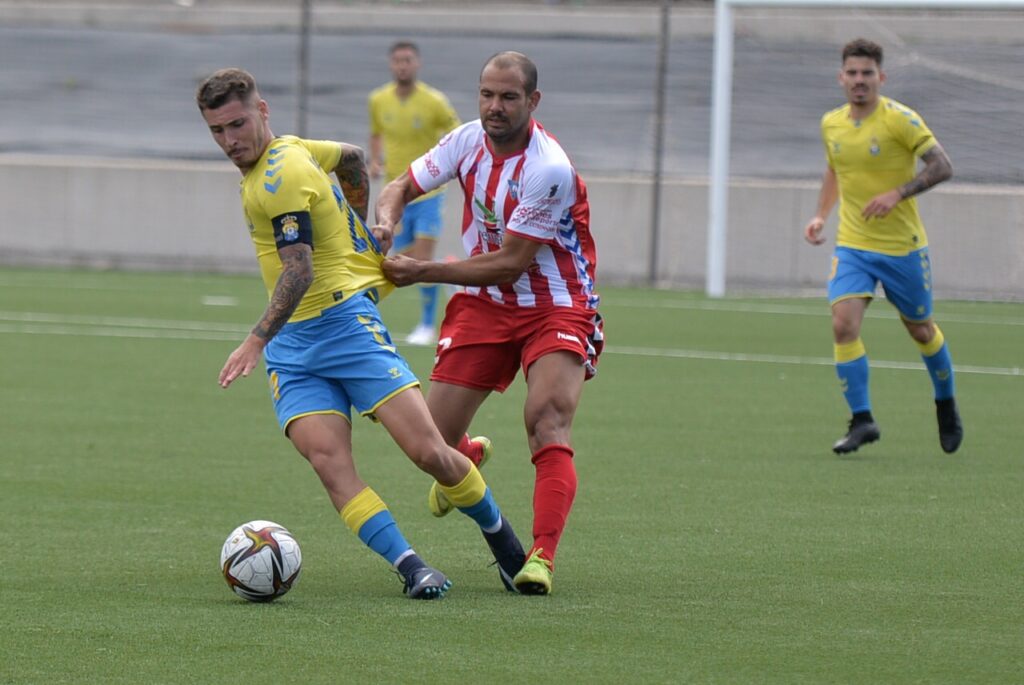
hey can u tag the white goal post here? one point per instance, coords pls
(721, 103)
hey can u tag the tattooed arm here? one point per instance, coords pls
(354, 178)
(937, 168)
(296, 277)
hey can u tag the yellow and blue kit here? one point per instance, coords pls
(334, 353)
(409, 126)
(872, 156)
(288, 196)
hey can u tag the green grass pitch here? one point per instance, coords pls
(715, 538)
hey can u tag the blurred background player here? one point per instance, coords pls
(325, 347)
(872, 145)
(529, 299)
(407, 118)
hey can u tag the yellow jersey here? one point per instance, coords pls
(870, 157)
(409, 127)
(289, 196)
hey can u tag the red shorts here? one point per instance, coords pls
(482, 343)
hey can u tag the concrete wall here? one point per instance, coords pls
(185, 215)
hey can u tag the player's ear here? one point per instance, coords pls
(881, 75)
(264, 109)
(533, 100)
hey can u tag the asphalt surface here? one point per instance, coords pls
(94, 91)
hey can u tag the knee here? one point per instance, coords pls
(921, 332)
(319, 459)
(333, 469)
(430, 456)
(548, 425)
(844, 330)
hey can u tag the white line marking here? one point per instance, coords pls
(96, 282)
(796, 310)
(101, 332)
(219, 301)
(804, 361)
(120, 321)
(35, 323)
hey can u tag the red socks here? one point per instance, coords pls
(553, 494)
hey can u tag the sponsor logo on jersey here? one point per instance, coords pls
(534, 217)
(490, 218)
(432, 168)
(491, 237)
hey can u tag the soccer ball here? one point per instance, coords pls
(260, 560)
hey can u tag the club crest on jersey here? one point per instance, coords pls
(290, 228)
(513, 189)
(874, 149)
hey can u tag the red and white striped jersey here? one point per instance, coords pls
(533, 194)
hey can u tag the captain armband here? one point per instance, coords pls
(292, 228)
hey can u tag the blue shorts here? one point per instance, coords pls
(343, 358)
(419, 220)
(906, 280)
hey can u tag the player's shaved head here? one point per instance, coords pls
(515, 60)
(225, 85)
